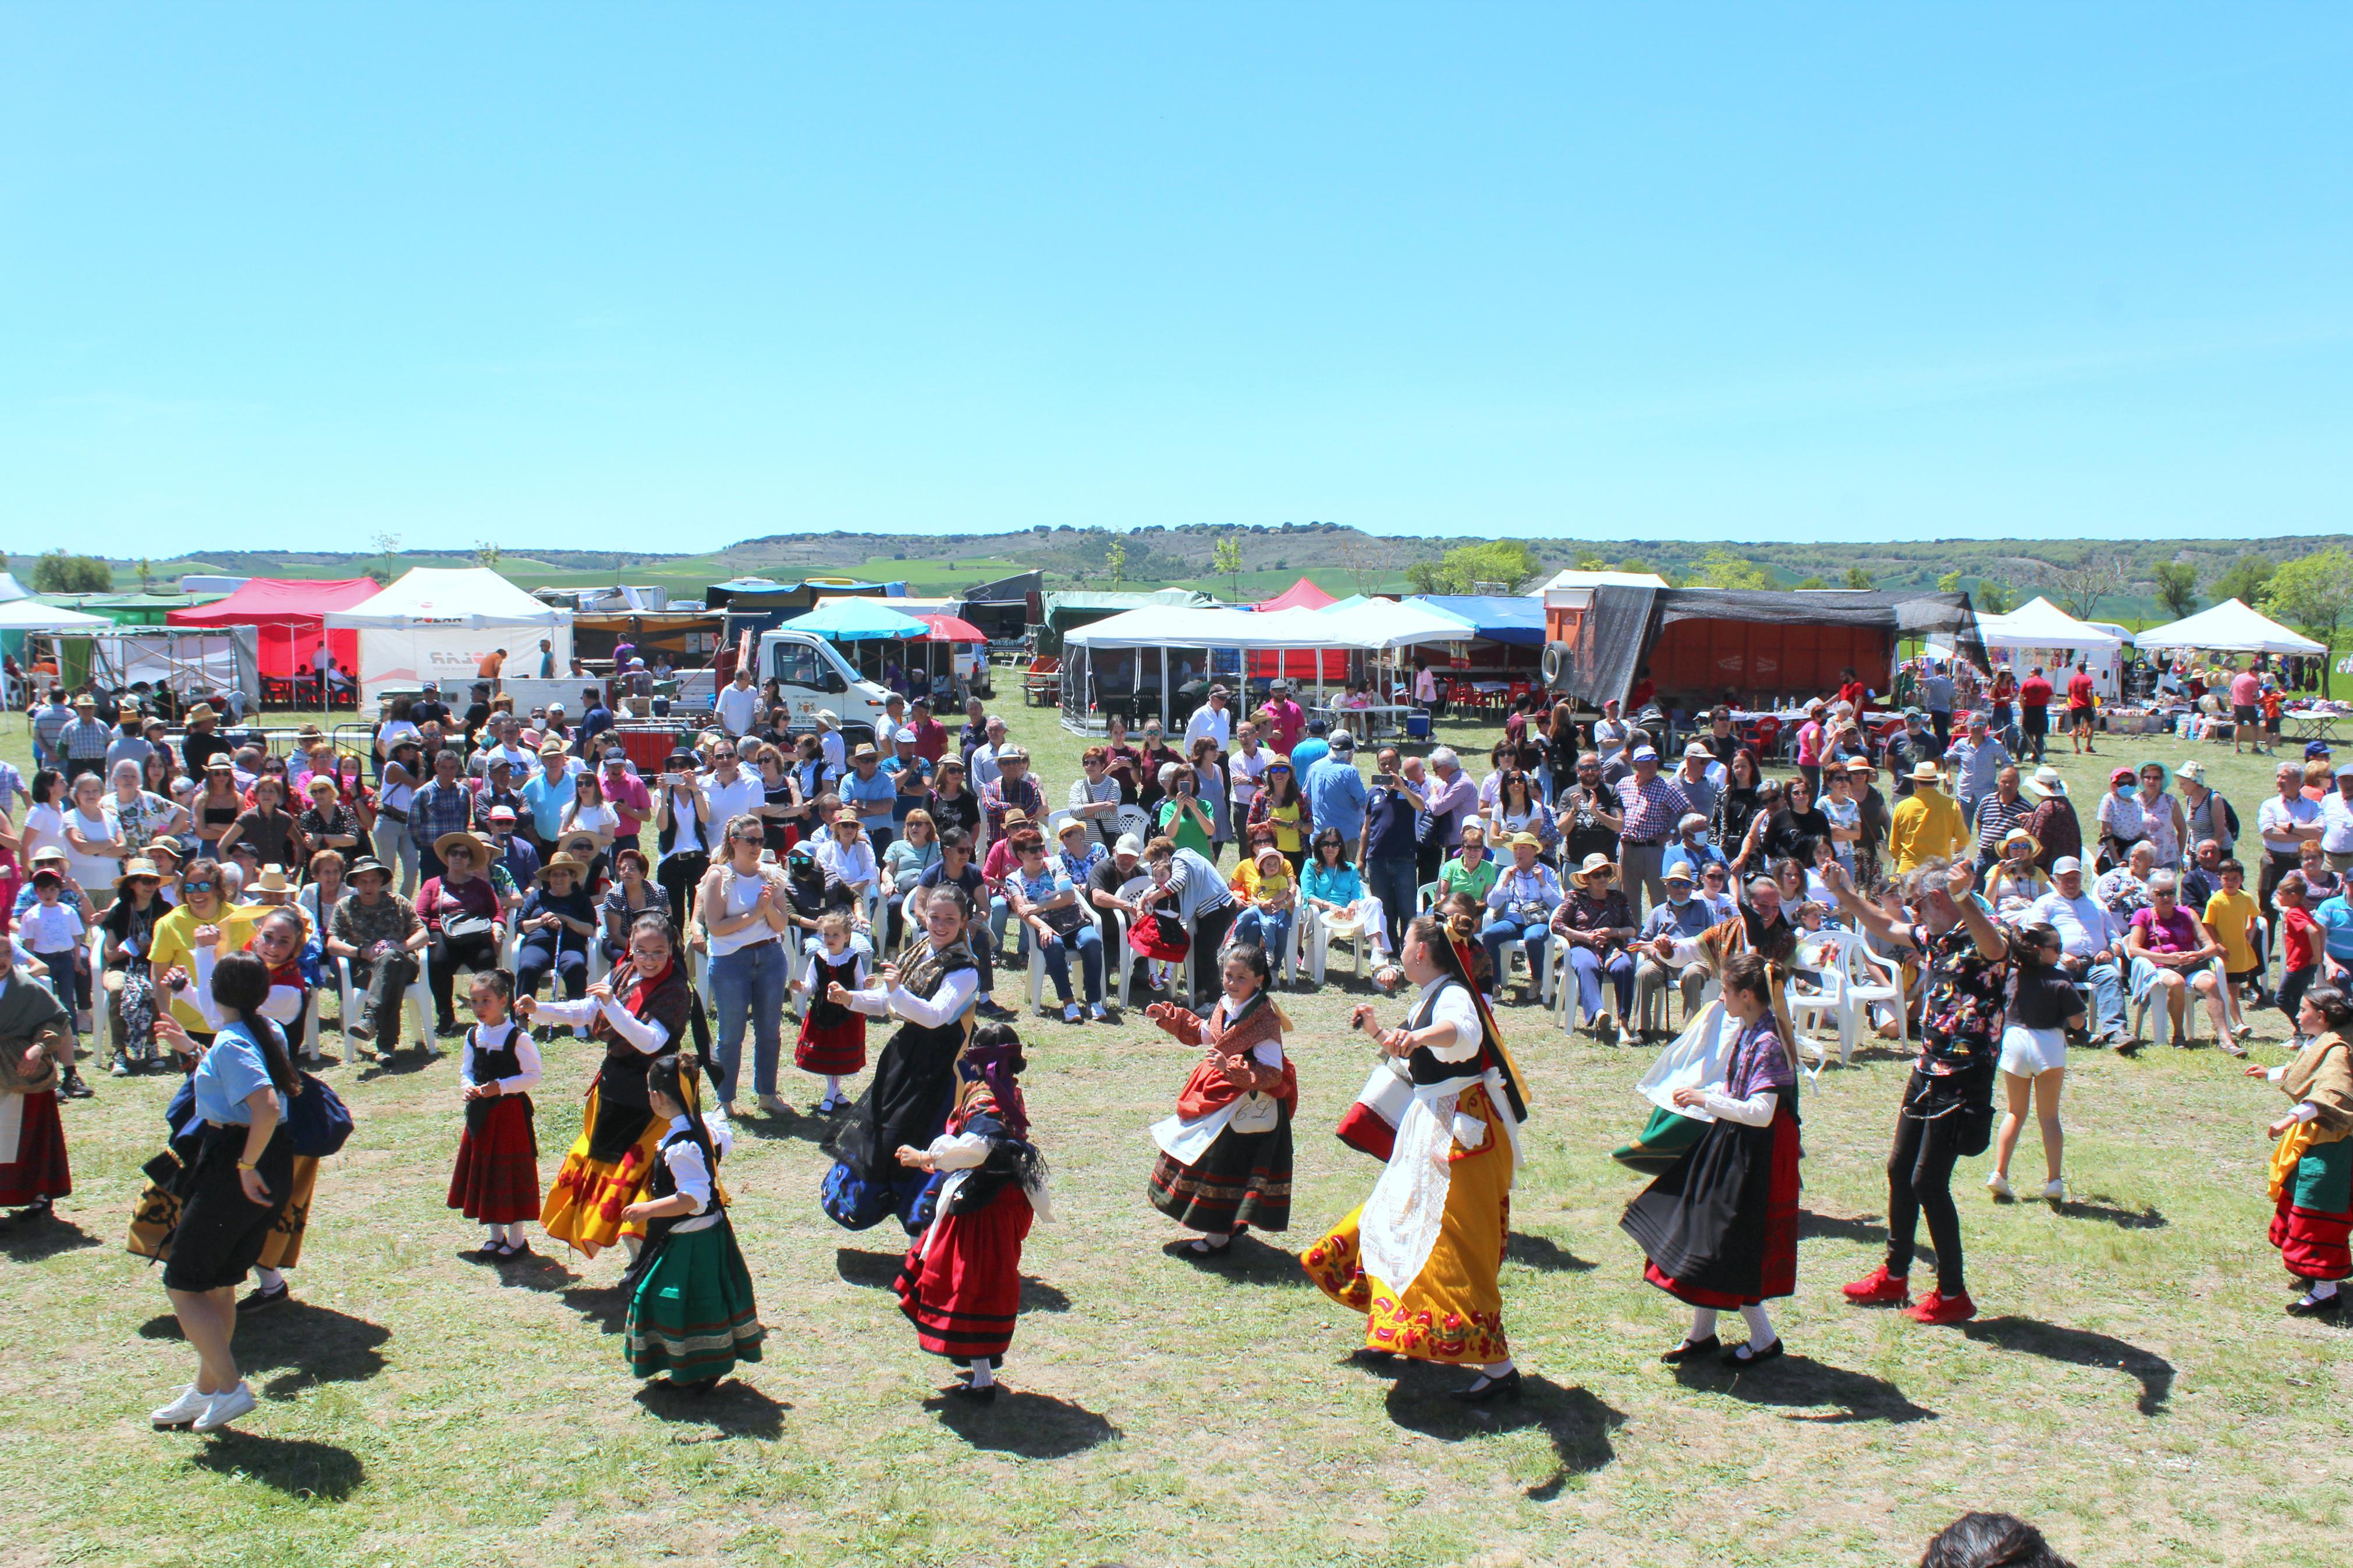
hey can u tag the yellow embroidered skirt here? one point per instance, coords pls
(1454, 1311)
(158, 1212)
(583, 1206)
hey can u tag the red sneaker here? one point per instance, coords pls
(1936, 1307)
(1879, 1288)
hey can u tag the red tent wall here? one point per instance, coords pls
(289, 612)
(1299, 664)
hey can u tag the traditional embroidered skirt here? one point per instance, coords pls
(2315, 1214)
(692, 1315)
(1244, 1179)
(964, 1297)
(497, 1178)
(584, 1207)
(831, 1049)
(1453, 1310)
(157, 1217)
(1720, 1227)
(39, 1169)
(1661, 1142)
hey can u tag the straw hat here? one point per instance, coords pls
(138, 865)
(2020, 836)
(1594, 863)
(2046, 782)
(1530, 839)
(1926, 773)
(200, 713)
(481, 845)
(271, 880)
(563, 862)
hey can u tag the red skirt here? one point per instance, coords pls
(497, 1178)
(964, 1297)
(834, 1049)
(38, 1171)
(2312, 1243)
(1779, 1270)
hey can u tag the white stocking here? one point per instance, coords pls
(1760, 1327)
(635, 1244)
(1703, 1325)
(981, 1376)
(269, 1278)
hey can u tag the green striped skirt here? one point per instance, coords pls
(692, 1315)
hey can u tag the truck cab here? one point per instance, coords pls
(810, 673)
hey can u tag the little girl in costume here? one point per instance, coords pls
(497, 1178)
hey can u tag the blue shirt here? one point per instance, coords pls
(1335, 797)
(901, 803)
(547, 798)
(873, 798)
(231, 1069)
(2335, 918)
(1681, 854)
(1388, 817)
(1306, 754)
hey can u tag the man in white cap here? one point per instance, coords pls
(2091, 944)
(1608, 731)
(1653, 806)
(984, 763)
(1681, 918)
(1701, 778)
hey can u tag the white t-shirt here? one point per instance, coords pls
(49, 928)
(738, 707)
(44, 827)
(747, 794)
(1247, 771)
(93, 870)
(1217, 723)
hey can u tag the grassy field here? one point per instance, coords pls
(2132, 1385)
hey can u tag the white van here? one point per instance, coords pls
(810, 673)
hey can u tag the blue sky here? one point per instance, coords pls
(663, 278)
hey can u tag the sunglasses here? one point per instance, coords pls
(197, 887)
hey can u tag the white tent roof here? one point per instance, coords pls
(463, 596)
(1386, 622)
(1575, 579)
(2039, 623)
(2229, 627)
(32, 616)
(1170, 625)
(10, 588)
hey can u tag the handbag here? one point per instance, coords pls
(463, 928)
(317, 1120)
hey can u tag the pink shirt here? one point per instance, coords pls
(630, 799)
(2246, 689)
(1289, 721)
(2179, 935)
(1810, 745)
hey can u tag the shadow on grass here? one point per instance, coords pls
(880, 1271)
(1864, 1230)
(532, 1270)
(1545, 1254)
(606, 1306)
(769, 1127)
(1578, 1422)
(1801, 1384)
(733, 1409)
(290, 1465)
(395, 1064)
(2150, 1218)
(30, 1241)
(307, 1344)
(1246, 1260)
(1034, 1425)
(2080, 1347)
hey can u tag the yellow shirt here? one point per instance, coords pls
(1253, 887)
(2230, 916)
(171, 948)
(1924, 825)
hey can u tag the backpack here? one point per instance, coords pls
(2229, 818)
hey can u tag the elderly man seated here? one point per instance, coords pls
(2091, 940)
(1680, 919)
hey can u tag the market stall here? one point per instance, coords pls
(2040, 632)
(1159, 661)
(440, 623)
(289, 617)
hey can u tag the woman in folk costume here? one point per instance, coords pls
(2312, 1169)
(1419, 1258)
(1720, 1224)
(961, 1282)
(35, 1035)
(932, 989)
(279, 939)
(640, 1011)
(690, 1309)
(1225, 1156)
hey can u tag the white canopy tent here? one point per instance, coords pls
(2040, 632)
(1387, 624)
(10, 588)
(2228, 627)
(32, 616)
(1108, 658)
(437, 623)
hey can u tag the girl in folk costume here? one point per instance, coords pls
(1720, 1224)
(1370, 1123)
(961, 1282)
(277, 941)
(36, 1035)
(497, 1178)
(639, 1012)
(1225, 1156)
(1419, 1258)
(906, 1104)
(833, 1038)
(2312, 1169)
(691, 1308)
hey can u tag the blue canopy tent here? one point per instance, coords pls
(860, 620)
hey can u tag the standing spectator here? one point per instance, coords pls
(595, 719)
(1871, 814)
(1586, 814)
(1653, 805)
(1926, 824)
(1426, 692)
(2052, 821)
(729, 790)
(738, 705)
(51, 723)
(1191, 888)
(1336, 790)
(1210, 783)
(1281, 806)
(82, 744)
(441, 806)
(546, 659)
(1736, 805)
(2083, 707)
(1386, 847)
(1908, 748)
(1813, 739)
(1997, 813)
(2035, 695)
(1313, 749)
(1285, 720)
(2205, 813)
(1094, 796)
(2246, 711)
(1976, 761)
(1212, 719)
(974, 734)
(685, 834)
(985, 759)
(626, 793)
(931, 735)
(545, 794)
(1012, 789)
(1701, 778)
(871, 794)
(2285, 821)
(1447, 803)
(1936, 696)
(1245, 765)
(129, 743)
(2336, 821)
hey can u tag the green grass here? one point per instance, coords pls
(2133, 1386)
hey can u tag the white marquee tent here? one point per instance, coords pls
(437, 623)
(2228, 627)
(1110, 658)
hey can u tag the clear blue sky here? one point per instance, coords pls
(666, 277)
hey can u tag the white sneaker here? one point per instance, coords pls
(225, 1408)
(1999, 1185)
(182, 1411)
(2054, 1191)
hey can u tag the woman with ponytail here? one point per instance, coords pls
(237, 1189)
(1420, 1258)
(1225, 1156)
(277, 941)
(690, 1309)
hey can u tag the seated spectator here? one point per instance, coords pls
(2172, 953)
(1597, 923)
(1268, 896)
(558, 921)
(2091, 945)
(1331, 891)
(2016, 881)
(1690, 848)
(1469, 871)
(2125, 890)
(1045, 903)
(1680, 917)
(1519, 908)
(378, 932)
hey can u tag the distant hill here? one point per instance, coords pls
(1341, 559)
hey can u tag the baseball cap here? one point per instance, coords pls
(1696, 750)
(2065, 864)
(1343, 741)
(904, 738)
(2316, 749)
(1129, 844)
(1645, 753)
(502, 813)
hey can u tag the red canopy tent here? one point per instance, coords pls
(291, 613)
(1299, 664)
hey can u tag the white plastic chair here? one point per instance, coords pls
(2145, 1005)
(1330, 927)
(421, 992)
(1829, 965)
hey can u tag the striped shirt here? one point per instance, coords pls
(1997, 817)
